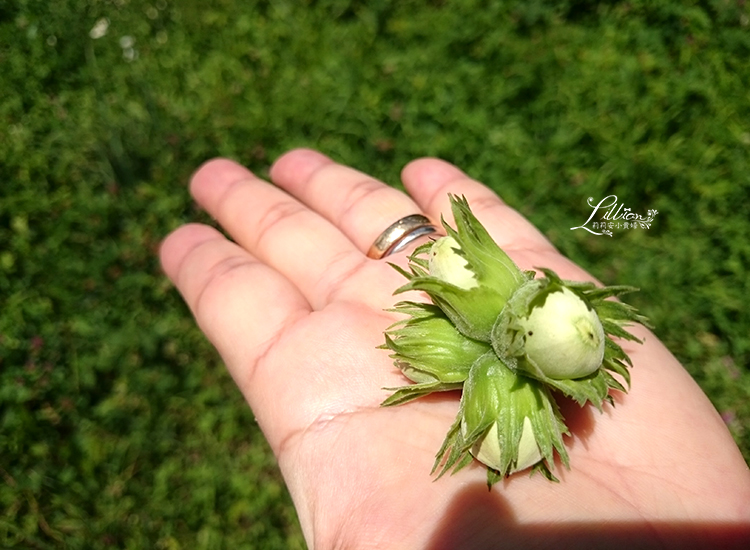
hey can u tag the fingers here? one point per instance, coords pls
(241, 304)
(360, 206)
(315, 227)
(277, 229)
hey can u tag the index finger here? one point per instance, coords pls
(429, 181)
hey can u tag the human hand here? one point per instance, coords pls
(296, 310)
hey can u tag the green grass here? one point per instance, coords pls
(118, 424)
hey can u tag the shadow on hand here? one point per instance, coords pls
(579, 420)
(479, 519)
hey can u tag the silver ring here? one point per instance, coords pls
(399, 234)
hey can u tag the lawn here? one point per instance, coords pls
(118, 424)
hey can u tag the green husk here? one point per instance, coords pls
(473, 338)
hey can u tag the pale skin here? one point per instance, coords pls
(296, 310)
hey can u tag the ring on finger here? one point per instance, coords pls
(399, 234)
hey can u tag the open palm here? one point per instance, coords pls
(296, 310)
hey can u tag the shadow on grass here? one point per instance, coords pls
(479, 519)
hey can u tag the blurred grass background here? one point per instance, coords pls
(118, 425)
